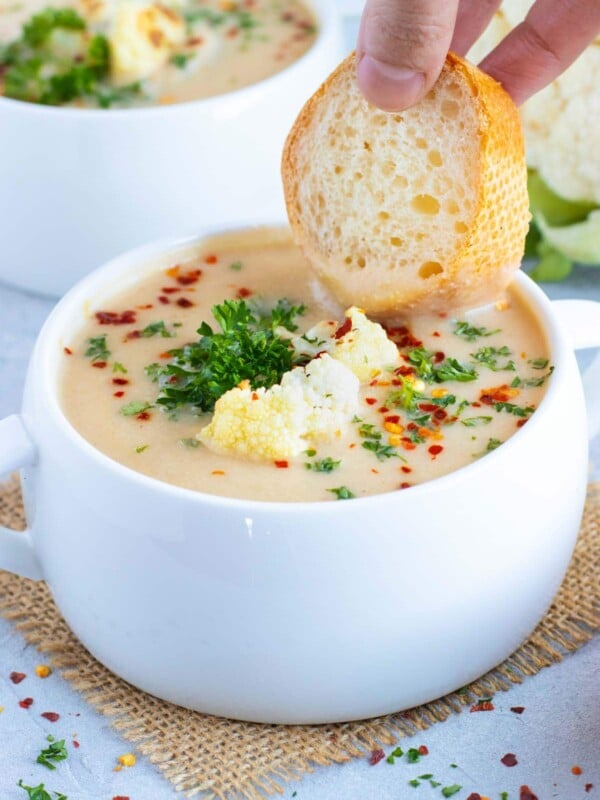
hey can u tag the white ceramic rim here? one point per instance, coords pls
(327, 17)
(51, 334)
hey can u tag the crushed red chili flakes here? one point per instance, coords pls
(439, 356)
(406, 469)
(370, 401)
(588, 787)
(76, 744)
(116, 318)
(184, 278)
(405, 485)
(437, 334)
(282, 464)
(17, 677)
(120, 393)
(120, 797)
(51, 716)
(525, 793)
(509, 760)
(170, 289)
(576, 770)
(344, 328)
(164, 300)
(99, 364)
(376, 756)
(145, 307)
(474, 796)
(243, 293)
(26, 702)
(133, 335)
(183, 302)
(435, 449)
(482, 705)
(423, 750)
(497, 394)
(68, 351)
(518, 709)
(120, 381)
(522, 422)
(145, 415)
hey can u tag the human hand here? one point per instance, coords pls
(402, 45)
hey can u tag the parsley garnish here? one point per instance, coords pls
(342, 493)
(398, 752)
(248, 347)
(531, 382)
(373, 444)
(324, 465)
(488, 356)
(413, 755)
(449, 791)
(414, 783)
(55, 752)
(180, 60)
(118, 367)
(141, 448)
(470, 332)
(37, 70)
(155, 328)
(40, 793)
(449, 370)
(236, 266)
(511, 408)
(539, 363)
(473, 422)
(97, 349)
(492, 445)
(194, 443)
(135, 407)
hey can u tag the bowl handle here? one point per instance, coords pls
(16, 450)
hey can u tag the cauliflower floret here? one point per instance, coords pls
(142, 40)
(560, 121)
(361, 345)
(310, 403)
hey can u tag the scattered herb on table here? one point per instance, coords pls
(398, 752)
(342, 493)
(247, 347)
(40, 792)
(449, 791)
(471, 332)
(97, 349)
(414, 783)
(413, 755)
(54, 753)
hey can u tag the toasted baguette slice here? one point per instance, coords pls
(413, 212)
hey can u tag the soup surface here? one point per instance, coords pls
(459, 388)
(115, 53)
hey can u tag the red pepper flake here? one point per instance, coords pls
(376, 756)
(474, 796)
(120, 381)
(527, 794)
(211, 259)
(115, 318)
(243, 293)
(194, 40)
(170, 289)
(423, 750)
(408, 445)
(384, 409)
(27, 702)
(440, 414)
(436, 449)
(518, 709)
(183, 302)
(184, 278)
(120, 797)
(51, 716)
(576, 770)
(476, 404)
(344, 328)
(17, 677)
(404, 371)
(393, 418)
(120, 393)
(509, 760)
(145, 415)
(68, 351)
(483, 705)
(76, 744)
(429, 407)
(99, 364)
(370, 401)
(497, 394)
(589, 787)
(166, 354)
(145, 307)
(164, 300)
(282, 464)
(406, 469)
(522, 422)
(374, 471)
(439, 356)
(405, 485)
(437, 334)
(133, 335)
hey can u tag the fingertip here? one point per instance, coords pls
(389, 87)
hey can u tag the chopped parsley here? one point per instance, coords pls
(449, 791)
(236, 266)
(342, 493)
(413, 755)
(414, 783)
(488, 356)
(193, 443)
(51, 755)
(141, 448)
(382, 451)
(473, 422)
(538, 363)
(398, 752)
(448, 370)
(531, 382)
(239, 18)
(136, 407)
(324, 465)
(97, 349)
(40, 793)
(471, 332)
(56, 61)
(180, 60)
(247, 347)
(492, 445)
(511, 408)
(118, 367)
(156, 328)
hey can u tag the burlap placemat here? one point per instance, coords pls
(225, 759)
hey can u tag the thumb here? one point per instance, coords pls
(402, 46)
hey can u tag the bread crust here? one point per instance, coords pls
(490, 250)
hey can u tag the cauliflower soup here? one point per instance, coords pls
(232, 372)
(121, 53)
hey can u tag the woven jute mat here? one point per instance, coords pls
(226, 759)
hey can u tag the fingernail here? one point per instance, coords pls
(391, 88)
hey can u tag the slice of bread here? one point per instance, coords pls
(413, 212)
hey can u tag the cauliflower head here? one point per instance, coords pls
(311, 403)
(361, 345)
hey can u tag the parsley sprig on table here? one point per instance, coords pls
(56, 61)
(51, 755)
(249, 346)
(40, 792)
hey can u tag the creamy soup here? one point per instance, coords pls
(115, 53)
(458, 390)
